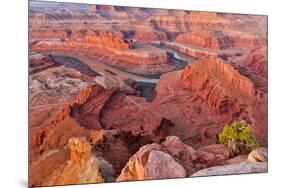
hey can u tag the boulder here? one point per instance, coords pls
(258, 155)
(185, 154)
(161, 165)
(135, 167)
(82, 167)
(152, 161)
(213, 154)
(177, 148)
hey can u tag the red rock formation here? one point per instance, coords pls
(254, 65)
(128, 86)
(79, 165)
(88, 112)
(217, 73)
(39, 62)
(151, 162)
(213, 155)
(206, 39)
(150, 59)
(107, 40)
(186, 154)
(150, 36)
(115, 123)
(221, 21)
(256, 61)
(43, 33)
(171, 23)
(171, 159)
(221, 91)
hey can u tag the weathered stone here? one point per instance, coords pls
(135, 167)
(161, 165)
(184, 153)
(240, 168)
(258, 155)
(213, 154)
(151, 162)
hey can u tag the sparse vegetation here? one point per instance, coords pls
(238, 137)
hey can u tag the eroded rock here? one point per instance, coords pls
(161, 165)
(213, 154)
(258, 155)
(240, 168)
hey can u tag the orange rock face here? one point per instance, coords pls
(107, 40)
(219, 87)
(206, 39)
(121, 93)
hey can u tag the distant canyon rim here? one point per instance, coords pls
(126, 93)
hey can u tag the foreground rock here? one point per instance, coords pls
(172, 159)
(151, 162)
(241, 168)
(82, 167)
(213, 154)
(184, 153)
(258, 155)
(135, 169)
(161, 165)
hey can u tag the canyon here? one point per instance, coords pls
(126, 93)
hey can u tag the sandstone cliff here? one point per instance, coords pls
(223, 91)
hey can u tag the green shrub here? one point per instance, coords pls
(239, 134)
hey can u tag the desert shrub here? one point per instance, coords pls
(238, 136)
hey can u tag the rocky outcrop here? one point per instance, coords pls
(203, 74)
(240, 168)
(221, 40)
(254, 65)
(170, 159)
(161, 165)
(107, 40)
(72, 164)
(88, 113)
(225, 90)
(218, 21)
(213, 155)
(151, 162)
(80, 149)
(184, 153)
(206, 39)
(82, 167)
(144, 60)
(40, 62)
(128, 86)
(170, 23)
(211, 88)
(150, 36)
(48, 86)
(258, 155)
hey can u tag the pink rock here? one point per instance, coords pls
(258, 155)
